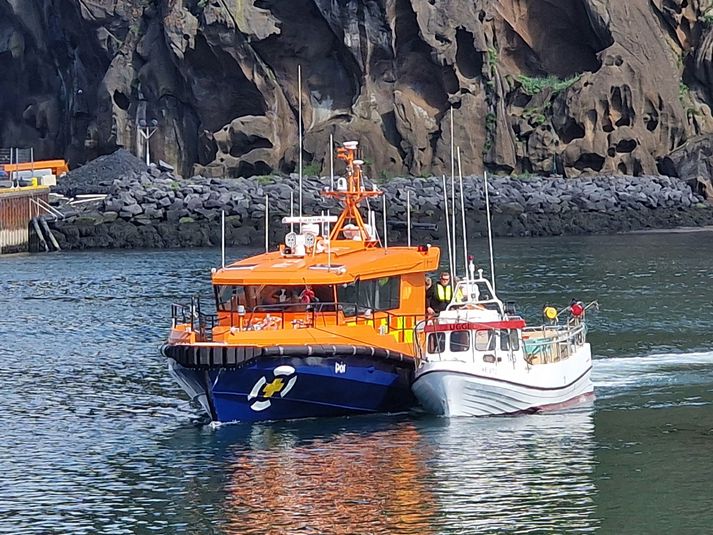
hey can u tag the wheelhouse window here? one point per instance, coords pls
(373, 294)
(509, 340)
(485, 340)
(267, 296)
(436, 343)
(460, 341)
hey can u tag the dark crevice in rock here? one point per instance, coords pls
(391, 133)
(626, 145)
(305, 38)
(121, 100)
(468, 60)
(450, 80)
(242, 143)
(589, 161)
(219, 83)
(414, 61)
(563, 37)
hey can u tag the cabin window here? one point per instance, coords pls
(387, 293)
(347, 297)
(436, 342)
(291, 297)
(460, 341)
(229, 297)
(509, 340)
(485, 340)
(373, 294)
(266, 296)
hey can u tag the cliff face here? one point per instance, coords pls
(580, 86)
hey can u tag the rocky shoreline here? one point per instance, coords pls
(156, 209)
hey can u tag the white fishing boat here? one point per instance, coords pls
(476, 359)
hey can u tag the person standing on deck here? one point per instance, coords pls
(441, 294)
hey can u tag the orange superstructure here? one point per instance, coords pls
(325, 294)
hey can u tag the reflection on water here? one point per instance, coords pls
(533, 473)
(351, 482)
(96, 438)
(420, 476)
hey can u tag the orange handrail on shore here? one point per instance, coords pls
(58, 167)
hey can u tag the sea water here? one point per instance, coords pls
(96, 438)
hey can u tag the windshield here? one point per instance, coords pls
(230, 298)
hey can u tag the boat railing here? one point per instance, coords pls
(200, 323)
(294, 316)
(540, 345)
(551, 343)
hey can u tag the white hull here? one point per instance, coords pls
(457, 388)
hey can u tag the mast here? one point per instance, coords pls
(299, 126)
(454, 264)
(350, 192)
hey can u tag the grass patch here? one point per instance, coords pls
(264, 180)
(311, 169)
(535, 85)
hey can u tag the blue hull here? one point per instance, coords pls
(278, 388)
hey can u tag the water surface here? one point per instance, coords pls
(96, 438)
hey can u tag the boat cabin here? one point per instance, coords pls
(330, 275)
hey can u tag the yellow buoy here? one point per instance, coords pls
(550, 313)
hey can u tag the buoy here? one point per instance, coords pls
(550, 313)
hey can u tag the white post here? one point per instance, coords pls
(453, 200)
(299, 125)
(292, 205)
(462, 215)
(222, 238)
(329, 243)
(408, 217)
(490, 230)
(331, 162)
(267, 224)
(448, 226)
(386, 239)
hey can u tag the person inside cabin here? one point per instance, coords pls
(251, 296)
(441, 294)
(270, 295)
(307, 296)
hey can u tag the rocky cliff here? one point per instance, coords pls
(574, 86)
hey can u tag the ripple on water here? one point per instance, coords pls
(96, 438)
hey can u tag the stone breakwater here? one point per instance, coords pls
(155, 209)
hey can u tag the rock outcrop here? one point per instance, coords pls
(572, 86)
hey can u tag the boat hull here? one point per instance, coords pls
(278, 388)
(463, 389)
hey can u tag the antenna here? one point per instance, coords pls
(329, 245)
(453, 201)
(448, 226)
(331, 161)
(267, 224)
(462, 216)
(386, 239)
(222, 237)
(299, 125)
(408, 217)
(292, 206)
(490, 230)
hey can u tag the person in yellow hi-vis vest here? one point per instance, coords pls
(441, 294)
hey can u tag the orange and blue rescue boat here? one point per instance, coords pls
(323, 326)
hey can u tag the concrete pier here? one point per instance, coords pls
(17, 208)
